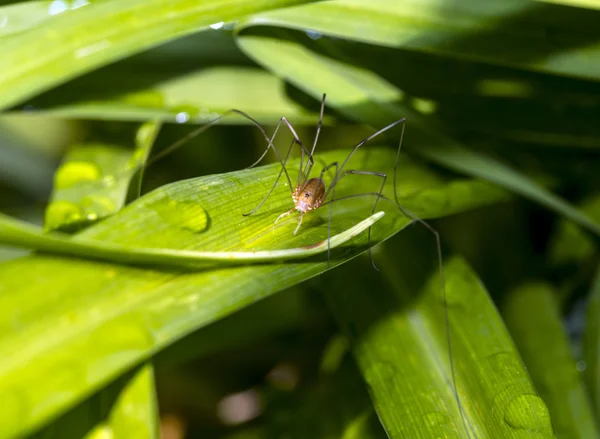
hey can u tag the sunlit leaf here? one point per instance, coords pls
(403, 348)
(101, 318)
(366, 97)
(545, 349)
(80, 39)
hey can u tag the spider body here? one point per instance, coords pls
(309, 196)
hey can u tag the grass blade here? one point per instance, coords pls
(546, 352)
(100, 319)
(77, 41)
(364, 96)
(400, 342)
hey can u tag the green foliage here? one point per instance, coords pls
(131, 316)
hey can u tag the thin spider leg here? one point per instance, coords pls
(438, 243)
(305, 172)
(335, 165)
(200, 130)
(281, 171)
(380, 193)
(270, 141)
(371, 137)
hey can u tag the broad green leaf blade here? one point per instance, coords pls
(544, 346)
(93, 181)
(477, 31)
(22, 16)
(191, 97)
(22, 235)
(124, 409)
(591, 345)
(570, 244)
(397, 325)
(208, 212)
(135, 413)
(90, 184)
(364, 96)
(80, 40)
(99, 319)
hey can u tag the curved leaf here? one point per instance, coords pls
(401, 343)
(190, 97)
(476, 30)
(364, 96)
(545, 349)
(83, 38)
(591, 344)
(99, 319)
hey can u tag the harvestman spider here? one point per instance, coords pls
(309, 194)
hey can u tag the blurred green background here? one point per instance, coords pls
(500, 155)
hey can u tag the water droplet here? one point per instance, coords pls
(58, 7)
(217, 25)
(98, 205)
(61, 213)
(186, 215)
(581, 366)
(183, 113)
(76, 4)
(72, 173)
(528, 412)
(182, 117)
(313, 34)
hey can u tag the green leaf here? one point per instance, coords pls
(80, 40)
(192, 97)
(180, 209)
(93, 181)
(401, 343)
(546, 352)
(366, 97)
(135, 413)
(22, 16)
(99, 319)
(591, 344)
(491, 32)
(124, 409)
(571, 244)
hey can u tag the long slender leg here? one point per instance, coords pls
(358, 172)
(415, 218)
(283, 215)
(283, 162)
(372, 136)
(335, 165)
(303, 173)
(301, 216)
(215, 121)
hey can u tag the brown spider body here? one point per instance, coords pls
(309, 196)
